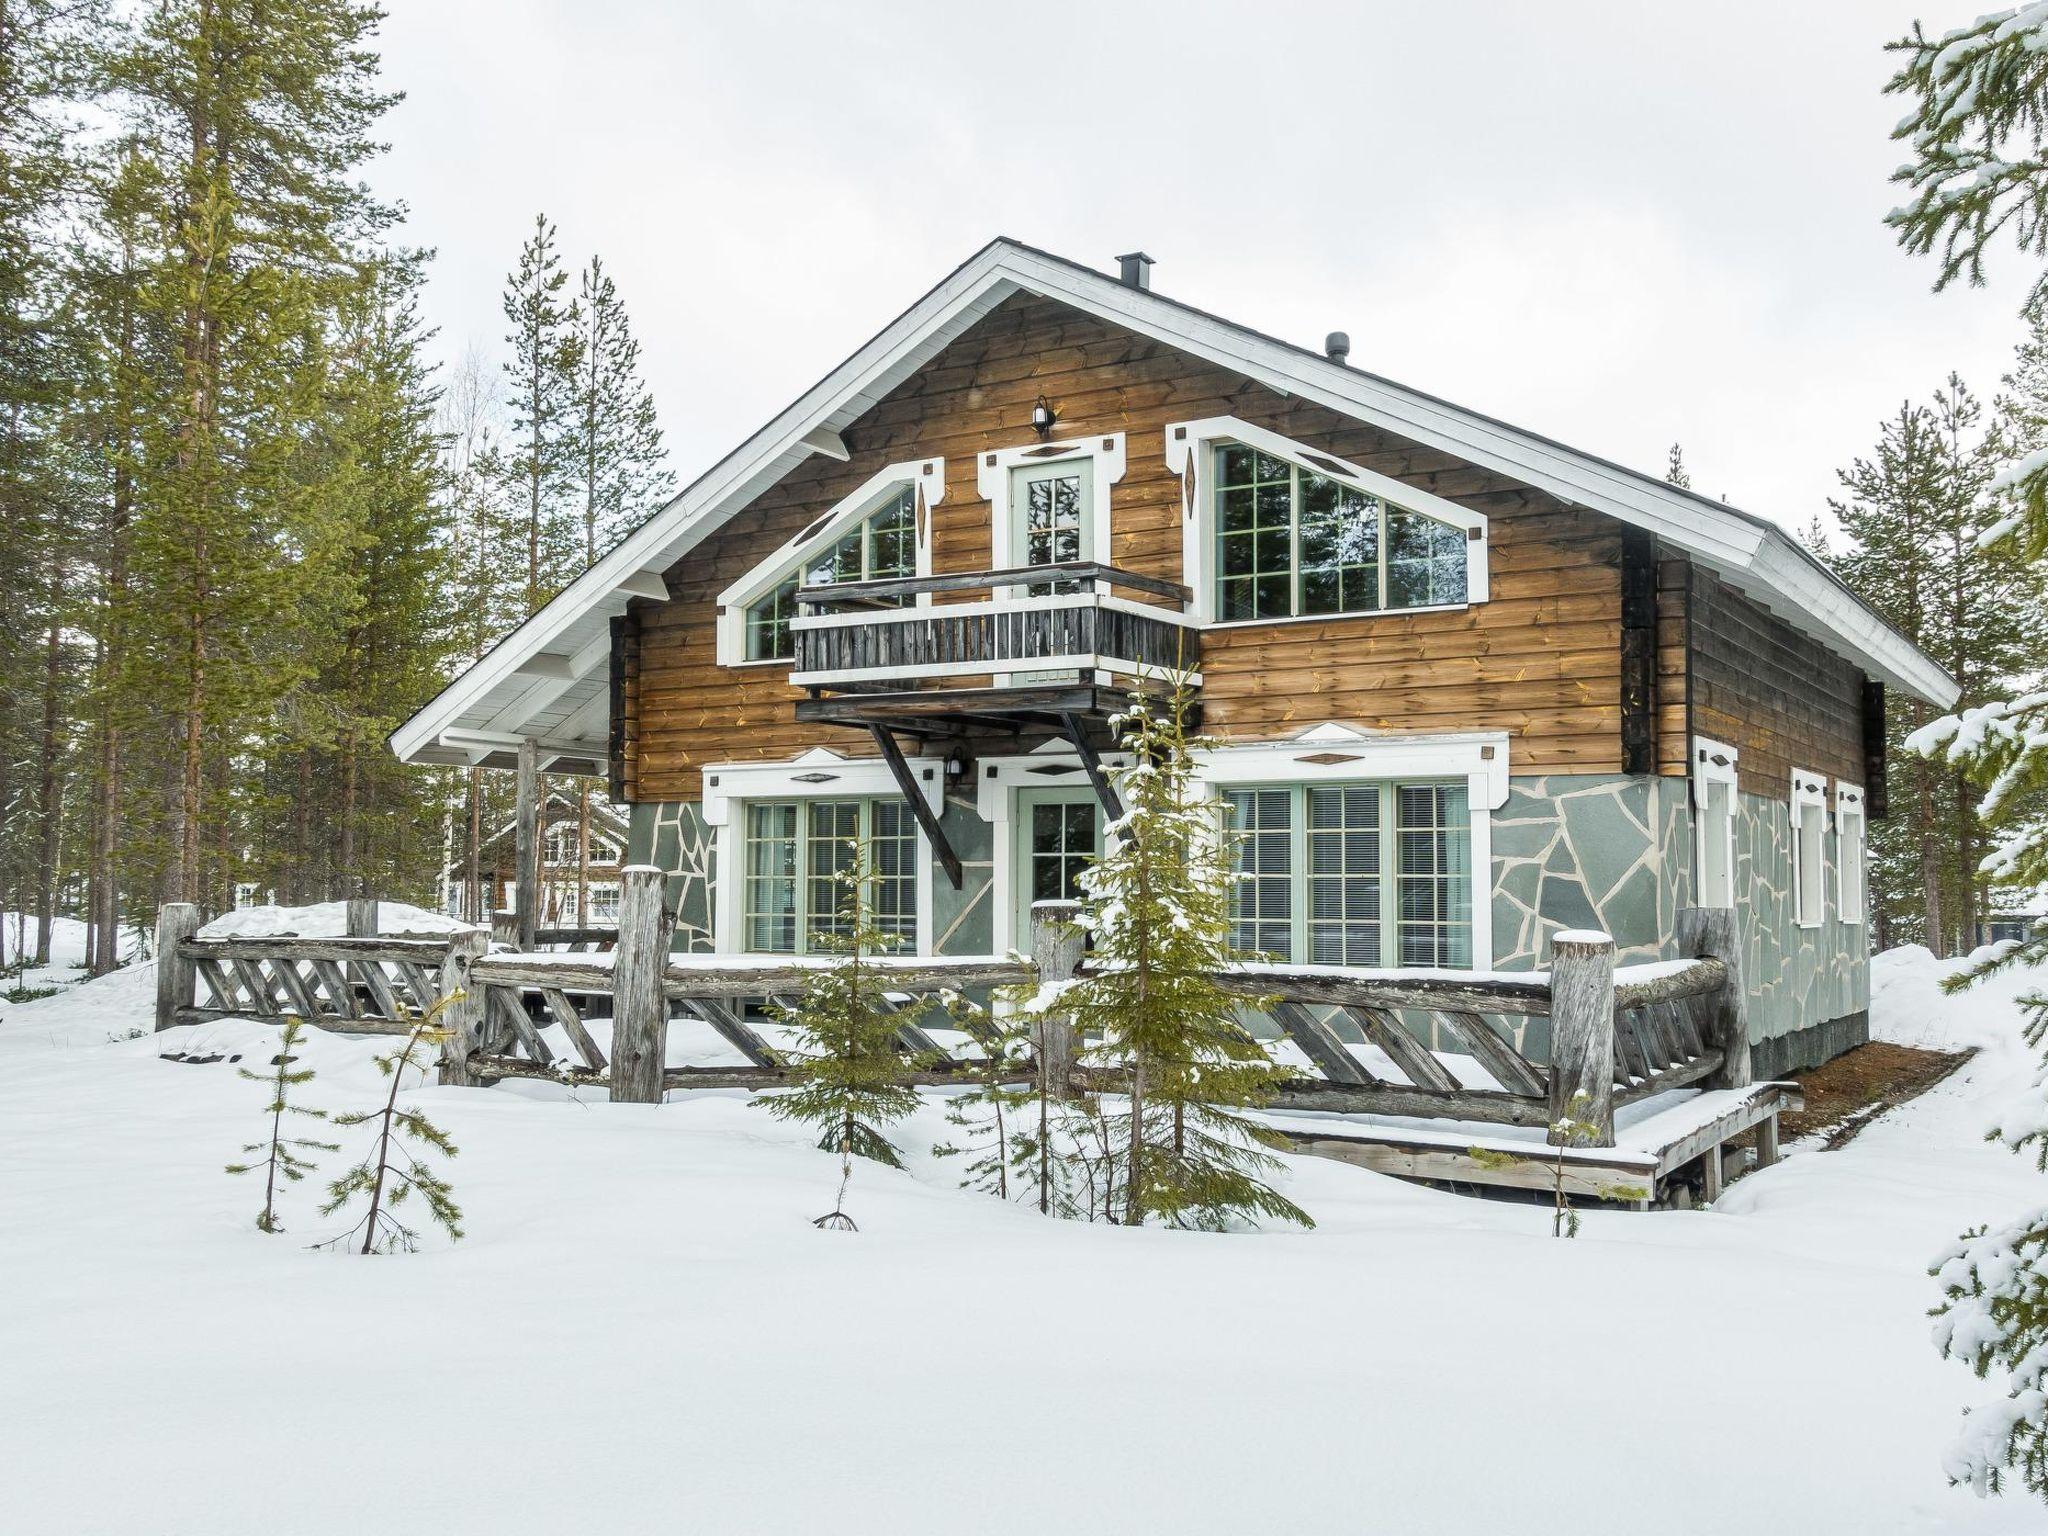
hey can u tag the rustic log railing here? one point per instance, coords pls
(1044, 618)
(364, 983)
(1614, 1036)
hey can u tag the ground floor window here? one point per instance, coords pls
(1354, 874)
(797, 853)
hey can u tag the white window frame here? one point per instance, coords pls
(1053, 765)
(1850, 874)
(1338, 754)
(993, 478)
(603, 848)
(819, 774)
(926, 476)
(1190, 453)
(1809, 802)
(1713, 762)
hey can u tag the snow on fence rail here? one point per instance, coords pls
(1615, 1036)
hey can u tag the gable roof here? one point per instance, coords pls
(547, 679)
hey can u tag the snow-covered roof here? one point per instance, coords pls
(547, 679)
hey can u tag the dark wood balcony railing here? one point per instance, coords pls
(1035, 620)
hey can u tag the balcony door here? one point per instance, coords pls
(1059, 832)
(1051, 519)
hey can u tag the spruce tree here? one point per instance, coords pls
(1157, 905)
(1675, 471)
(283, 1157)
(848, 1076)
(1978, 136)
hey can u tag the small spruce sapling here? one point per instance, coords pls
(849, 1076)
(1568, 1131)
(1158, 902)
(390, 1172)
(282, 1156)
(991, 1115)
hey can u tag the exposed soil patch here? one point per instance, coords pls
(1846, 1094)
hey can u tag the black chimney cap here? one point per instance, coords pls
(1134, 269)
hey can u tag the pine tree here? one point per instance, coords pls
(1157, 904)
(390, 1172)
(541, 374)
(618, 439)
(848, 1079)
(283, 1157)
(1916, 510)
(1675, 471)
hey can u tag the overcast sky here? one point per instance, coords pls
(1617, 224)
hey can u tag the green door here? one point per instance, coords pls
(1058, 833)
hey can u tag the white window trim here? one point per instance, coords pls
(1851, 908)
(993, 477)
(926, 476)
(1480, 758)
(1809, 798)
(819, 774)
(1188, 445)
(1713, 762)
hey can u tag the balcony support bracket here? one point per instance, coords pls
(1112, 806)
(927, 818)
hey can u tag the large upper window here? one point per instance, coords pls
(797, 855)
(883, 544)
(1290, 541)
(1353, 874)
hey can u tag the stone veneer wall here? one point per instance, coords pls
(1615, 852)
(1569, 851)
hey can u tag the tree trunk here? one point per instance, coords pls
(1930, 854)
(46, 788)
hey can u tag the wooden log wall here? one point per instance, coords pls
(1781, 699)
(1542, 659)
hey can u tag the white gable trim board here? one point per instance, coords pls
(494, 699)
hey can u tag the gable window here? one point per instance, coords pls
(1809, 848)
(1713, 801)
(1278, 530)
(1353, 874)
(794, 864)
(1850, 858)
(879, 531)
(881, 545)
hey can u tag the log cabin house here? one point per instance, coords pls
(562, 870)
(1469, 686)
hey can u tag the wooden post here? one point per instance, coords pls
(526, 872)
(177, 979)
(505, 928)
(362, 917)
(1711, 933)
(1057, 942)
(1582, 1033)
(463, 1018)
(1767, 1140)
(639, 1003)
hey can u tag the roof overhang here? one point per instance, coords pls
(547, 679)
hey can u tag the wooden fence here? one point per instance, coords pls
(1615, 1037)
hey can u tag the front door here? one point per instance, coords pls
(1058, 833)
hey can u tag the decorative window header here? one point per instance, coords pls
(1273, 529)
(754, 612)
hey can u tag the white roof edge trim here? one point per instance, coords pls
(1726, 540)
(676, 521)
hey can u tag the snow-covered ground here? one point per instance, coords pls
(643, 1332)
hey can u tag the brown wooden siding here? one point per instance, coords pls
(1541, 660)
(1782, 700)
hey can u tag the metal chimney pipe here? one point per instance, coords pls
(1337, 347)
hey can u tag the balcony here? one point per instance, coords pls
(1040, 646)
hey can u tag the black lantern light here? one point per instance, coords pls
(1043, 417)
